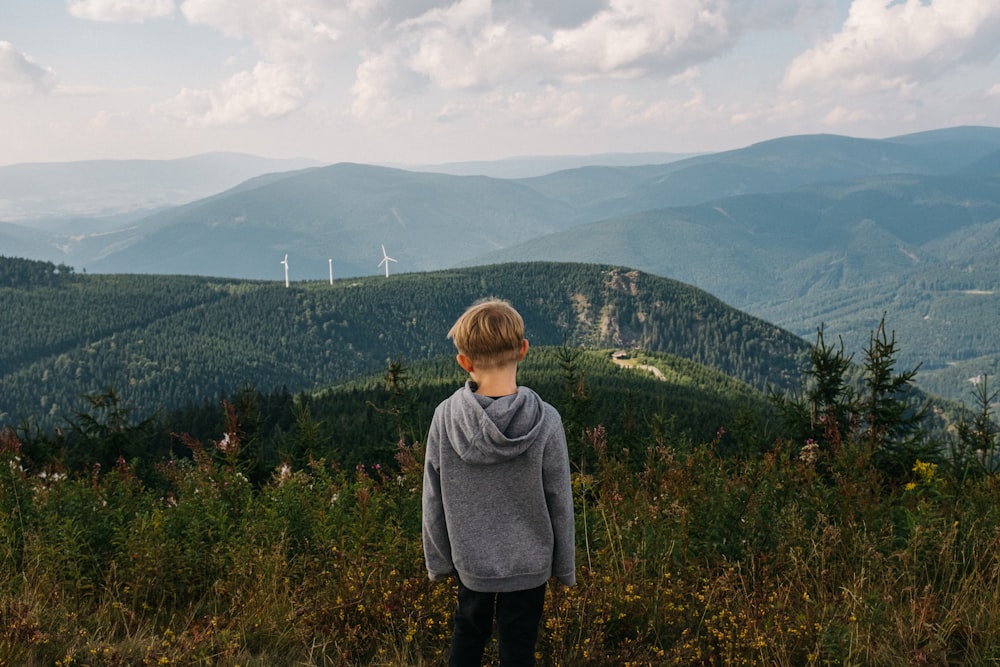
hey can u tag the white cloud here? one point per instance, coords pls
(473, 44)
(646, 36)
(105, 120)
(841, 115)
(381, 60)
(549, 63)
(268, 91)
(626, 110)
(20, 75)
(376, 77)
(133, 11)
(893, 45)
(294, 41)
(473, 51)
(550, 108)
(278, 29)
(525, 51)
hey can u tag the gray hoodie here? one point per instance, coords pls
(497, 501)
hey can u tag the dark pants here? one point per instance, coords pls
(518, 615)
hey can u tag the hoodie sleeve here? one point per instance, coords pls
(437, 545)
(559, 498)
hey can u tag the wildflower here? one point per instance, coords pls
(925, 471)
(285, 471)
(809, 452)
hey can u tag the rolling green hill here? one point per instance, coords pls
(165, 341)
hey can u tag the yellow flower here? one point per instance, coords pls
(925, 470)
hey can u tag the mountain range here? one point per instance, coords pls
(804, 231)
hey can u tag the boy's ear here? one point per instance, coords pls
(465, 362)
(524, 349)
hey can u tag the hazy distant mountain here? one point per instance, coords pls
(541, 165)
(772, 166)
(760, 248)
(98, 188)
(800, 230)
(19, 241)
(343, 213)
(922, 249)
(429, 220)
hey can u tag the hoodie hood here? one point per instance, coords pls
(485, 430)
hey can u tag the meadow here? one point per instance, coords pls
(799, 556)
(846, 540)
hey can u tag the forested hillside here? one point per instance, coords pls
(165, 341)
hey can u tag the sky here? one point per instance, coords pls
(435, 81)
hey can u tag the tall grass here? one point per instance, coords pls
(799, 556)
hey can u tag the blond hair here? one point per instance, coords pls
(489, 332)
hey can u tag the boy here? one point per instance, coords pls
(497, 502)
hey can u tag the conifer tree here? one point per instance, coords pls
(892, 422)
(978, 448)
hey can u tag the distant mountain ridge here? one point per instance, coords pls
(98, 188)
(920, 248)
(802, 231)
(342, 212)
(540, 165)
(432, 220)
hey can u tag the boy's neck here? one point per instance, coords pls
(496, 381)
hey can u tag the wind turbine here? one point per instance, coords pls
(285, 262)
(385, 260)
(331, 270)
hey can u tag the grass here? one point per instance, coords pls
(800, 556)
